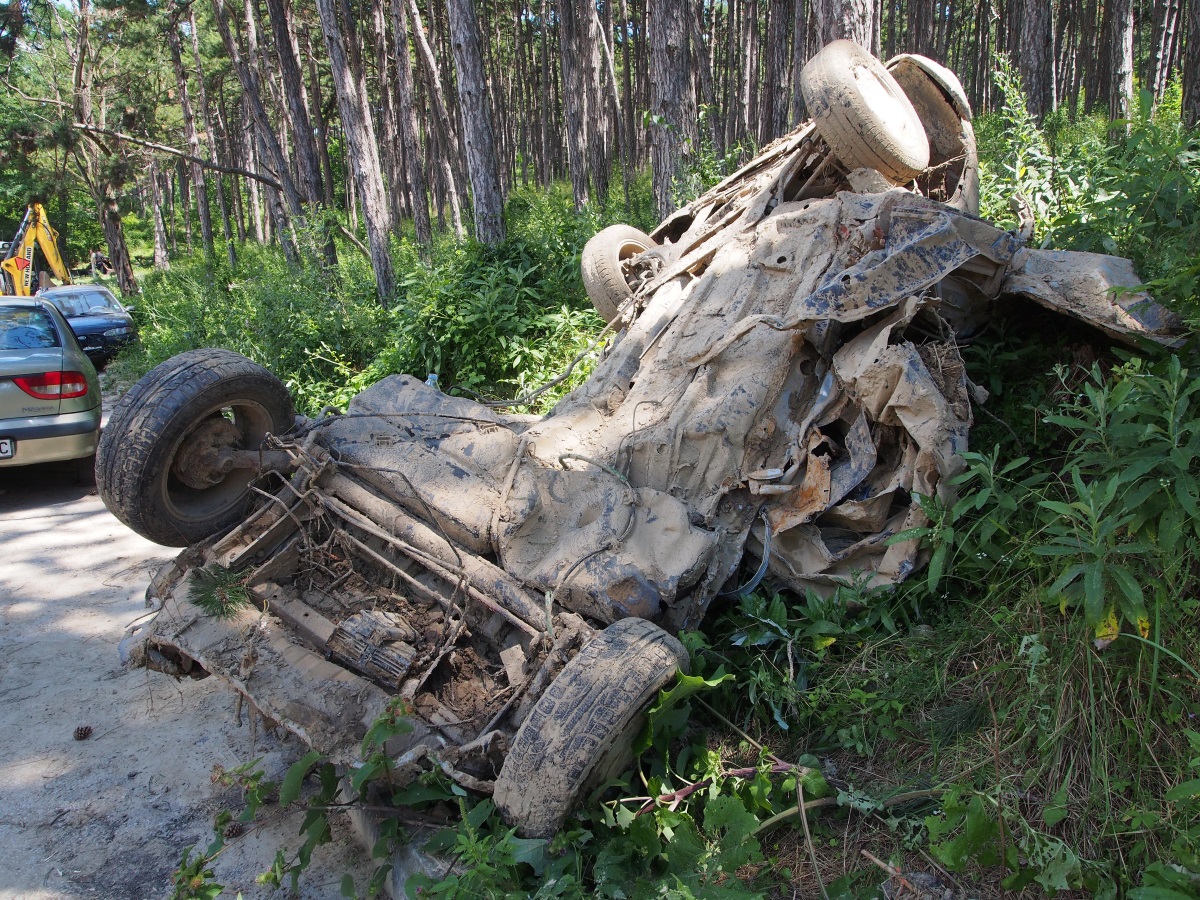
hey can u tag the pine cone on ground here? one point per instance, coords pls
(83, 732)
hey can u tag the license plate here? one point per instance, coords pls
(7, 448)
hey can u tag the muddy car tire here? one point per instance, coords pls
(601, 266)
(863, 114)
(581, 730)
(137, 463)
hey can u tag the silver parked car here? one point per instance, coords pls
(49, 392)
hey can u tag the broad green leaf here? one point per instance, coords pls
(1185, 791)
(660, 718)
(294, 779)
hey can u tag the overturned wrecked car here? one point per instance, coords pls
(783, 376)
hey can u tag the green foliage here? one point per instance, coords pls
(194, 880)
(1136, 196)
(499, 321)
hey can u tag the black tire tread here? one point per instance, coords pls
(598, 698)
(125, 459)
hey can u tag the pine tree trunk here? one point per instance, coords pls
(775, 91)
(359, 138)
(267, 139)
(1165, 30)
(1036, 59)
(95, 175)
(318, 121)
(1120, 49)
(599, 110)
(854, 21)
(447, 133)
(390, 145)
(574, 100)
(406, 97)
(308, 163)
(192, 138)
(705, 77)
(185, 202)
(1191, 66)
(797, 113)
(670, 68)
(162, 259)
(210, 132)
(486, 197)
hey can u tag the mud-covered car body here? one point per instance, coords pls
(784, 377)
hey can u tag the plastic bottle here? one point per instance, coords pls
(431, 380)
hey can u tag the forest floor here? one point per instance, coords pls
(110, 816)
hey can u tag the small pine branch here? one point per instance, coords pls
(218, 591)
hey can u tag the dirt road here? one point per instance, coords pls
(110, 816)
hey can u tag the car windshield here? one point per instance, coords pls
(22, 328)
(81, 303)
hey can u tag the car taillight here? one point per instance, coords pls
(53, 385)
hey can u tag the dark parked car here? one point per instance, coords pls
(49, 394)
(98, 319)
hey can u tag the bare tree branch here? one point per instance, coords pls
(8, 85)
(174, 151)
(353, 239)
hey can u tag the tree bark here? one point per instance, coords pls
(307, 161)
(592, 49)
(87, 154)
(670, 108)
(1120, 49)
(852, 20)
(575, 100)
(162, 259)
(268, 141)
(406, 97)
(774, 107)
(389, 139)
(1036, 59)
(210, 131)
(1191, 67)
(797, 112)
(318, 120)
(486, 197)
(193, 140)
(359, 137)
(447, 134)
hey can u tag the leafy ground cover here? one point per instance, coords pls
(1021, 716)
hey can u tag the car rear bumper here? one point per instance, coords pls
(52, 438)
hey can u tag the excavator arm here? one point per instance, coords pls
(18, 267)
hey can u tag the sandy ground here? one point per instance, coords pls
(110, 816)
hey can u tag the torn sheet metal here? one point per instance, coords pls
(1103, 291)
(786, 374)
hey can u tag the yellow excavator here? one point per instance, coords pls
(17, 265)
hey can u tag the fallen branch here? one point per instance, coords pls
(349, 235)
(175, 151)
(891, 870)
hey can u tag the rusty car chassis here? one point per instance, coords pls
(783, 377)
